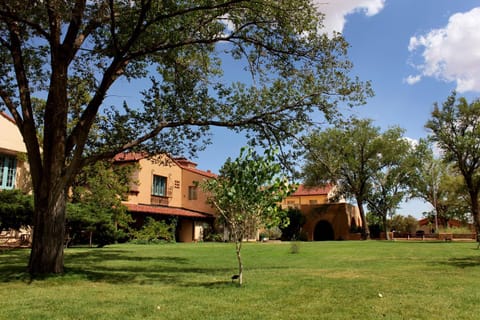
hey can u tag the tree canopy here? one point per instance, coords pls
(70, 53)
(455, 128)
(362, 162)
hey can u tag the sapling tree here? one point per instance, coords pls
(247, 194)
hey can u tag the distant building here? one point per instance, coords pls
(325, 220)
(167, 188)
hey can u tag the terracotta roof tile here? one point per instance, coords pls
(168, 211)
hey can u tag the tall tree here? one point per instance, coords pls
(455, 127)
(247, 193)
(347, 157)
(96, 203)
(390, 184)
(440, 184)
(52, 48)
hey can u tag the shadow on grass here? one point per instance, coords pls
(468, 262)
(113, 266)
(13, 264)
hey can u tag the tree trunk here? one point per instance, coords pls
(50, 181)
(365, 230)
(475, 212)
(238, 247)
(385, 226)
(49, 232)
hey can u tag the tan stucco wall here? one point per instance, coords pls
(189, 179)
(10, 139)
(11, 143)
(305, 200)
(161, 166)
(339, 215)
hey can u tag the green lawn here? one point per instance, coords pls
(325, 280)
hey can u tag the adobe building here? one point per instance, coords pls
(167, 188)
(14, 168)
(325, 220)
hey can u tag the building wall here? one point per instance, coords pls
(191, 179)
(10, 140)
(305, 200)
(161, 166)
(13, 147)
(340, 216)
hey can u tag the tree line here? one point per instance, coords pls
(378, 170)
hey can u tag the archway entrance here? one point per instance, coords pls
(323, 231)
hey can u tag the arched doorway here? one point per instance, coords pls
(323, 231)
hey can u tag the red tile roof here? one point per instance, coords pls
(168, 211)
(208, 174)
(6, 116)
(181, 162)
(303, 190)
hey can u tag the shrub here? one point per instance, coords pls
(293, 230)
(156, 230)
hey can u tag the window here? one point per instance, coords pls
(8, 168)
(192, 193)
(313, 202)
(159, 186)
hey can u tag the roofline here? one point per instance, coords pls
(8, 117)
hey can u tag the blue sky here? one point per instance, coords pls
(415, 52)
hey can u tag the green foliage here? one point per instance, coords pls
(362, 162)
(246, 194)
(440, 184)
(455, 128)
(154, 230)
(96, 214)
(402, 224)
(292, 231)
(16, 209)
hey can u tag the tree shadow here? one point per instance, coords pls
(467, 262)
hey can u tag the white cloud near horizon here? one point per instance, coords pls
(452, 53)
(336, 11)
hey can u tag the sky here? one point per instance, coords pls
(415, 53)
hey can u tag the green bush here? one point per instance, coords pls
(16, 209)
(154, 230)
(294, 229)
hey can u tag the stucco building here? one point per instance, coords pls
(167, 188)
(13, 165)
(324, 219)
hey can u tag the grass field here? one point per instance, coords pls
(324, 280)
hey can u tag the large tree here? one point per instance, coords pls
(247, 194)
(348, 157)
(70, 53)
(389, 185)
(440, 184)
(455, 127)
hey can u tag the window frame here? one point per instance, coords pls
(159, 186)
(8, 172)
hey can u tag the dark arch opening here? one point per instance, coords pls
(323, 231)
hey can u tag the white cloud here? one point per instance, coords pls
(336, 11)
(412, 79)
(452, 53)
